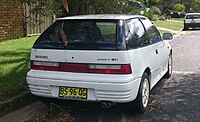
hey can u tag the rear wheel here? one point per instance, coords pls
(143, 95)
(185, 28)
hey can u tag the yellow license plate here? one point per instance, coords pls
(79, 93)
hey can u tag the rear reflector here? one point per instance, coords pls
(82, 68)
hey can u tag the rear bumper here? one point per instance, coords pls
(114, 88)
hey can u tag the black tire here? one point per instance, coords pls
(140, 103)
(170, 67)
(185, 28)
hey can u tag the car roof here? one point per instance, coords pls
(193, 14)
(103, 16)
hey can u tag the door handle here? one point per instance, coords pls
(156, 51)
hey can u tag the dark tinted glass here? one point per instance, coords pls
(153, 33)
(193, 17)
(135, 34)
(80, 34)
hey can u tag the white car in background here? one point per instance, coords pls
(112, 58)
(192, 20)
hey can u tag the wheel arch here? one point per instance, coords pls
(138, 102)
(170, 52)
(148, 71)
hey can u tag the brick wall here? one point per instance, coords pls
(11, 22)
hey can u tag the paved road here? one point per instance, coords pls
(175, 99)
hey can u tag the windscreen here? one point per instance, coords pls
(80, 34)
(193, 16)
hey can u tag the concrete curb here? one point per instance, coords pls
(16, 102)
(179, 33)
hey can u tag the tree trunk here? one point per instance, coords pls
(77, 7)
(65, 5)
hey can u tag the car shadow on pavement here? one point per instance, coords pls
(178, 100)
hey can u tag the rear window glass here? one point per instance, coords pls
(80, 34)
(193, 17)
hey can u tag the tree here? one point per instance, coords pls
(99, 6)
(149, 3)
(178, 7)
(195, 6)
(75, 7)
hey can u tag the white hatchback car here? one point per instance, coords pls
(103, 58)
(192, 20)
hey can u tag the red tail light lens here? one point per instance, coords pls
(110, 69)
(69, 67)
(82, 68)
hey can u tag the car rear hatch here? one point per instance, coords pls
(194, 18)
(82, 46)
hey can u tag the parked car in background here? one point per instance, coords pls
(108, 58)
(192, 20)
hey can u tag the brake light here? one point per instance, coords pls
(110, 69)
(82, 68)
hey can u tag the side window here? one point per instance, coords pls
(135, 34)
(153, 33)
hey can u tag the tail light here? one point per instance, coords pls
(110, 69)
(82, 68)
(39, 65)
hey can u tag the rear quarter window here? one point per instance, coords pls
(135, 34)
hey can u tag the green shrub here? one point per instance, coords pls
(162, 17)
(149, 14)
(154, 17)
(178, 7)
(135, 11)
(156, 10)
(152, 14)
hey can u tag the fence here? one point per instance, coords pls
(35, 24)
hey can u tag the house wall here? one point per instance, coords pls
(11, 20)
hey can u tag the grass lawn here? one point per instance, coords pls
(14, 64)
(163, 31)
(167, 24)
(178, 19)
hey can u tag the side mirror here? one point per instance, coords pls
(167, 36)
